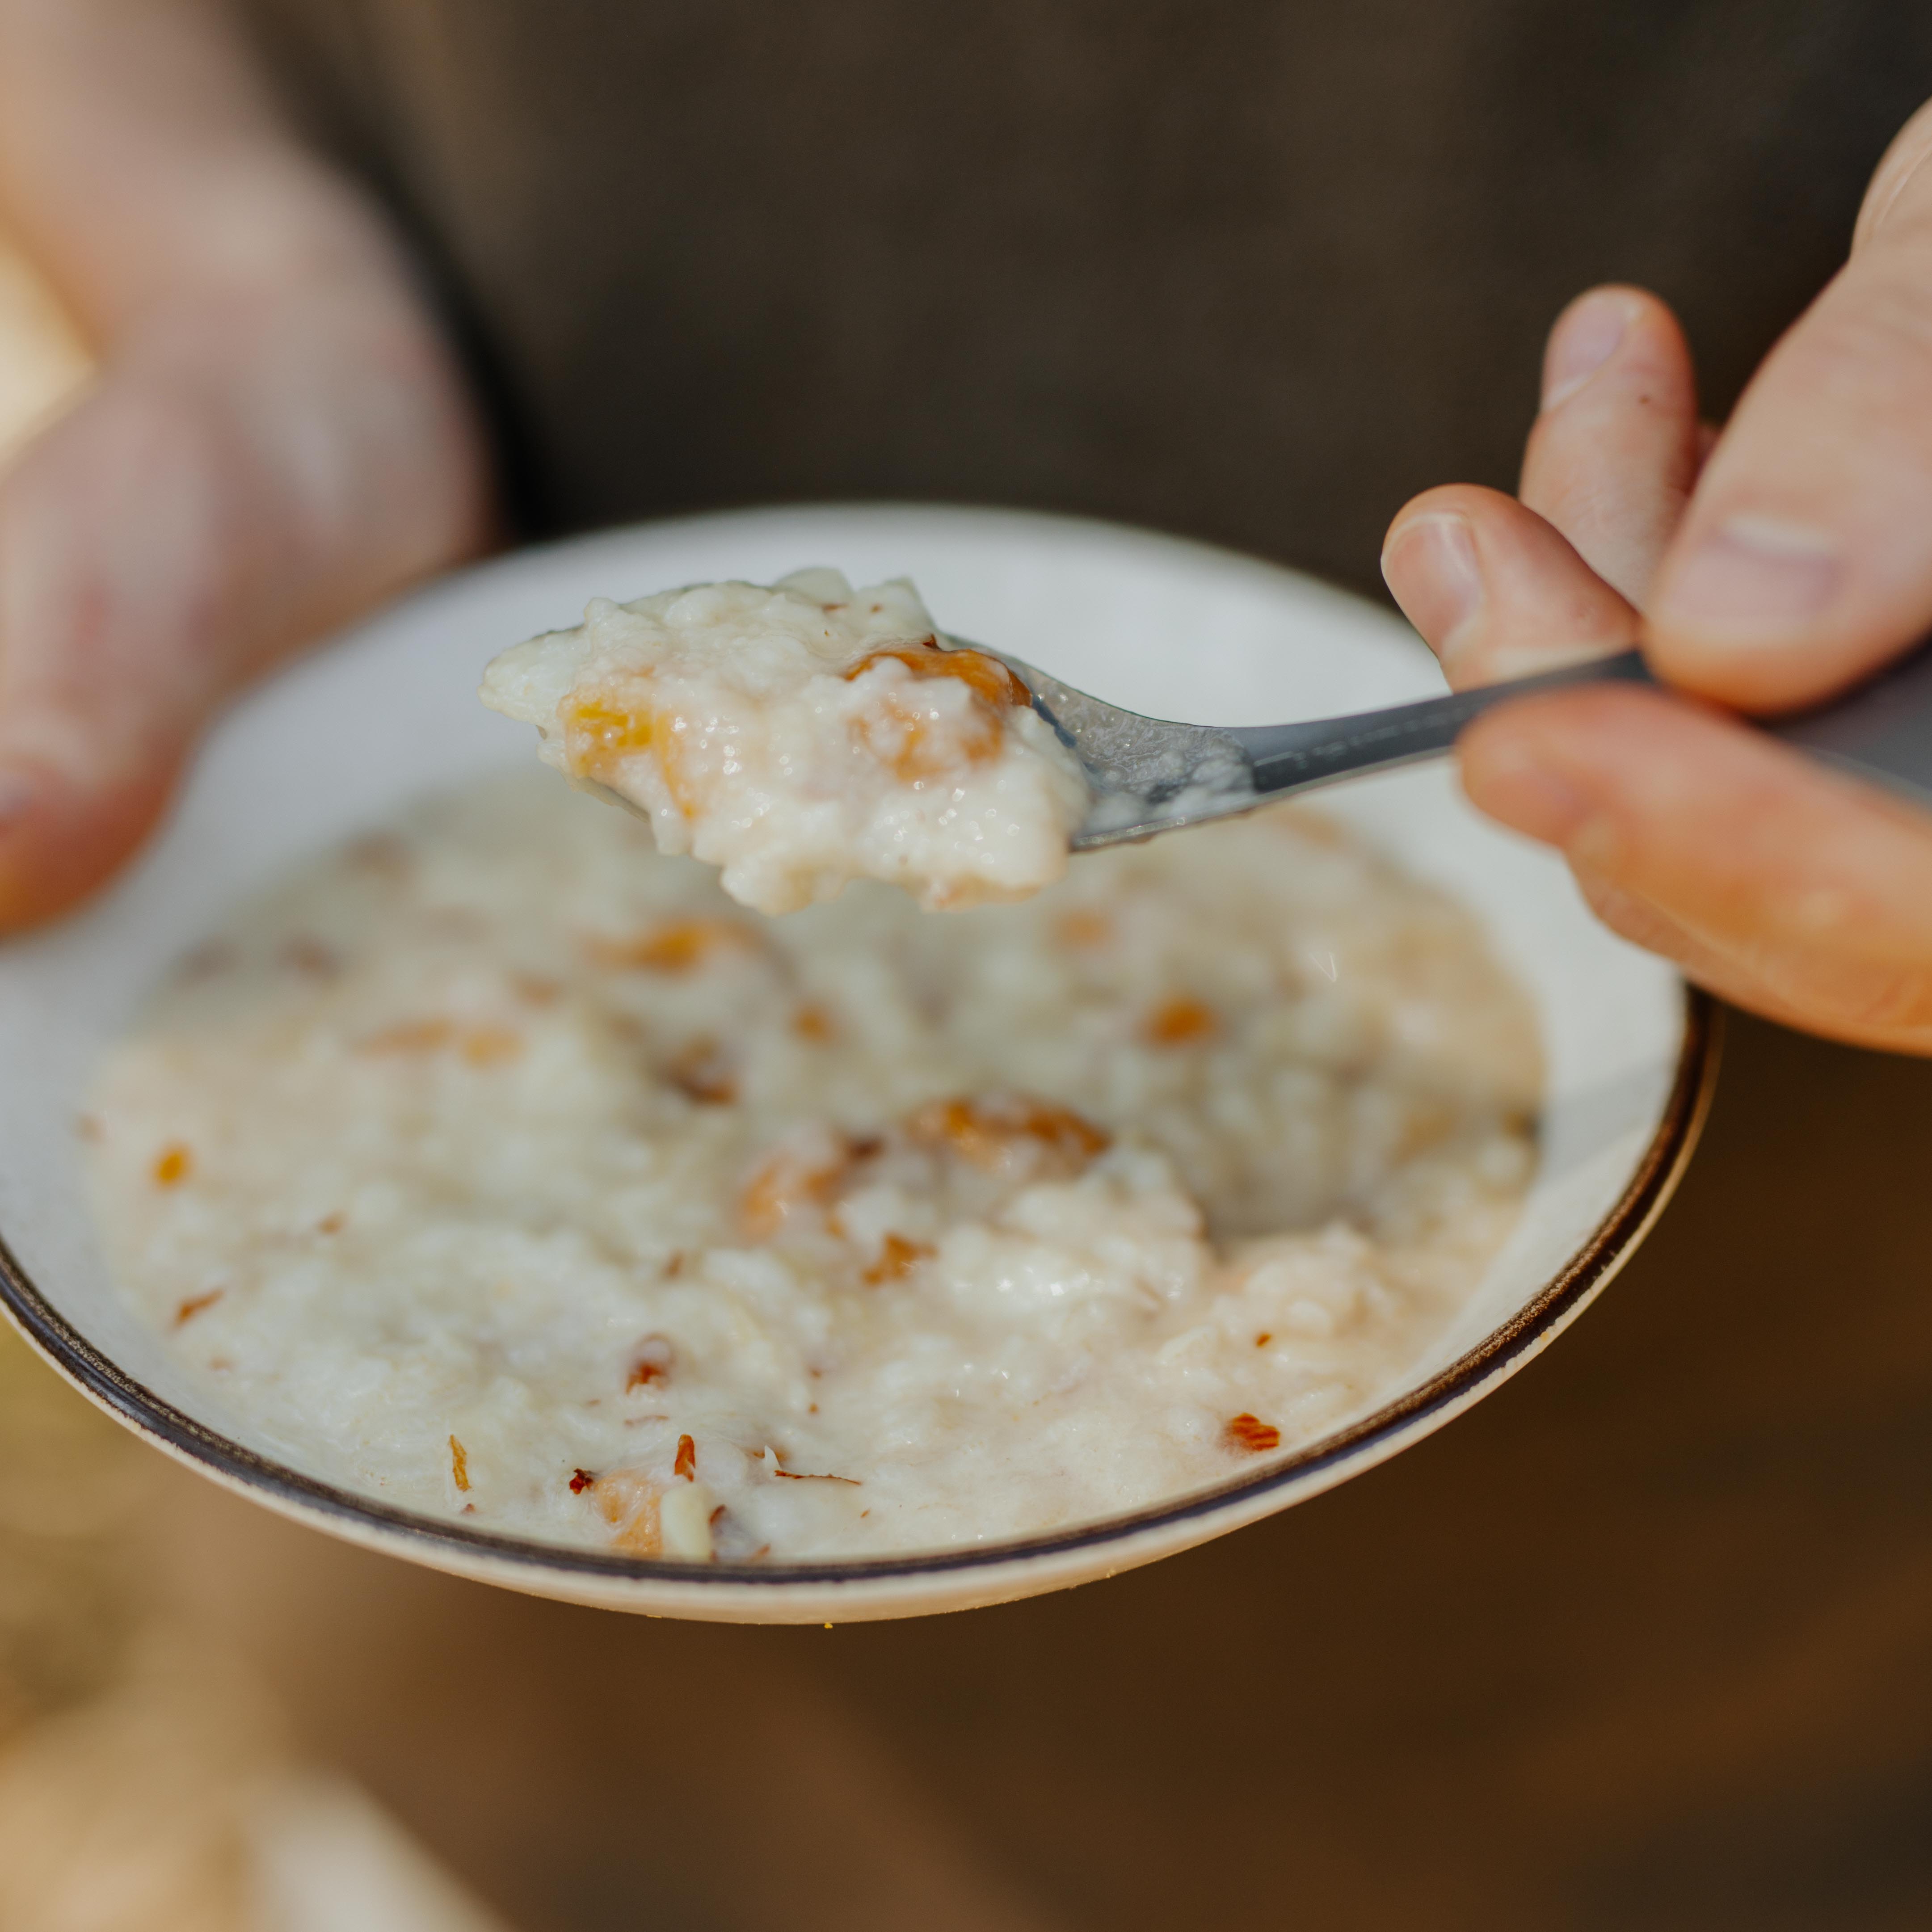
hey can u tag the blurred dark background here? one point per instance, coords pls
(1644, 1643)
(1254, 270)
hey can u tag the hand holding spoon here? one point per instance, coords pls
(1149, 775)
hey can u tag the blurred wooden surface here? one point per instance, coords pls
(1643, 1642)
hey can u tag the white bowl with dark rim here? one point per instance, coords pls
(1173, 629)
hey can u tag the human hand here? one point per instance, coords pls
(278, 440)
(1772, 566)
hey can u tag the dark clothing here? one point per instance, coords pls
(1254, 269)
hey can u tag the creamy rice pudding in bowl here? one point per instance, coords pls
(410, 1144)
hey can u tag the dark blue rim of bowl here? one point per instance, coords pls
(1650, 1188)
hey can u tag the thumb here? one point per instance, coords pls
(1804, 560)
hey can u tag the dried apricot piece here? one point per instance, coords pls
(797, 1175)
(604, 726)
(489, 1045)
(917, 738)
(1083, 929)
(173, 1165)
(1426, 1124)
(920, 741)
(1249, 1434)
(677, 946)
(986, 677)
(478, 1045)
(989, 1131)
(703, 1072)
(898, 1258)
(1180, 1022)
(630, 1501)
(651, 1362)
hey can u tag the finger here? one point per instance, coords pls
(59, 841)
(1899, 169)
(242, 481)
(1494, 590)
(1637, 920)
(123, 569)
(1647, 924)
(1803, 894)
(1614, 452)
(1805, 558)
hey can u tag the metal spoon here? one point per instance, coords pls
(1149, 776)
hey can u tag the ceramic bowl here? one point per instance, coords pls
(1167, 628)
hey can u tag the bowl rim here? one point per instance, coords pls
(451, 1544)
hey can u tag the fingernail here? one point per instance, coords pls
(1755, 579)
(1586, 338)
(1430, 566)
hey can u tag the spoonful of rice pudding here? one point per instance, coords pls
(805, 735)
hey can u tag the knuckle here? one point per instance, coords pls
(1898, 190)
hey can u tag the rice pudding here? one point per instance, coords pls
(803, 735)
(501, 1169)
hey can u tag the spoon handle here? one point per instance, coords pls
(1880, 730)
